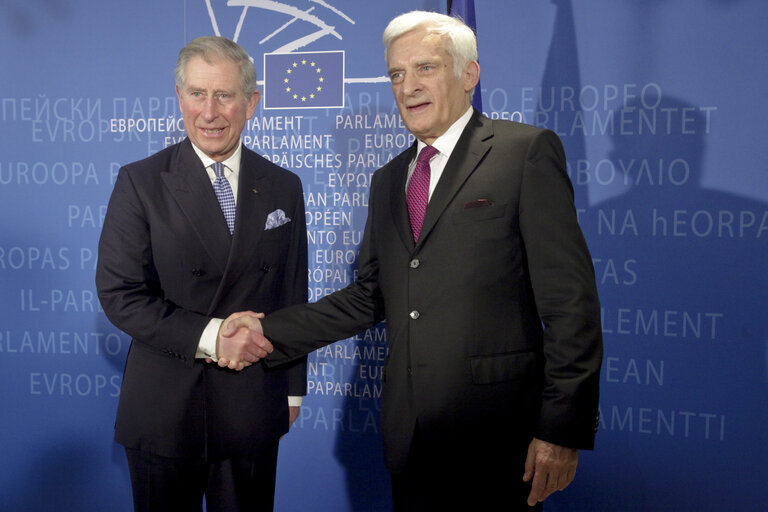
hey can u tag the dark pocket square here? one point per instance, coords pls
(477, 203)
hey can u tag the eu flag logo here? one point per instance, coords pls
(304, 80)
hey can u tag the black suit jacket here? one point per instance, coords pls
(500, 256)
(167, 265)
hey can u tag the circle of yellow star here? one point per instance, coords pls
(297, 66)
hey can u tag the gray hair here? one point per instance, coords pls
(212, 47)
(462, 43)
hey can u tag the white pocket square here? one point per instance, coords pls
(276, 219)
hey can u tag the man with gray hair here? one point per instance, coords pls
(473, 255)
(200, 230)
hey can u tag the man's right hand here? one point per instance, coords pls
(240, 341)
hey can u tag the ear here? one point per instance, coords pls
(471, 75)
(253, 101)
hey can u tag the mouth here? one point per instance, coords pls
(417, 107)
(212, 131)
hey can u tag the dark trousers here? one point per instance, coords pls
(162, 484)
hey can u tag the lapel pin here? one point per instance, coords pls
(255, 191)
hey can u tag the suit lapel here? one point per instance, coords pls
(190, 186)
(253, 190)
(472, 146)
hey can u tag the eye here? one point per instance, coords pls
(396, 77)
(224, 97)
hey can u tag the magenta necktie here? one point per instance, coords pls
(225, 195)
(418, 191)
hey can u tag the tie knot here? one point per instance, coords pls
(218, 168)
(427, 153)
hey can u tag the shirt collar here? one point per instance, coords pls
(447, 141)
(232, 163)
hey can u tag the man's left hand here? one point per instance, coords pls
(552, 468)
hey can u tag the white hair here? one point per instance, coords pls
(461, 41)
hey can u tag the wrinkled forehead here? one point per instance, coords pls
(420, 43)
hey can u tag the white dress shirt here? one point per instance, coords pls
(444, 144)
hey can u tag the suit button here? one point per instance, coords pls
(197, 272)
(414, 315)
(415, 263)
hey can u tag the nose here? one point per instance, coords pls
(411, 84)
(209, 111)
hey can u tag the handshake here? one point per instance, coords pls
(241, 341)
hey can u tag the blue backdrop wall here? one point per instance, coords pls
(661, 107)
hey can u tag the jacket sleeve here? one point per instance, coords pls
(296, 286)
(128, 285)
(565, 292)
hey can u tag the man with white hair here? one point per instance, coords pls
(473, 255)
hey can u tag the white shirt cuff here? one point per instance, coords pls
(206, 347)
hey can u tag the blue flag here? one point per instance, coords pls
(466, 10)
(304, 80)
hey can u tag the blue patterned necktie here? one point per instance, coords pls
(417, 196)
(224, 194)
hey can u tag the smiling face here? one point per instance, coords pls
(427, 91)
(214, 107)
